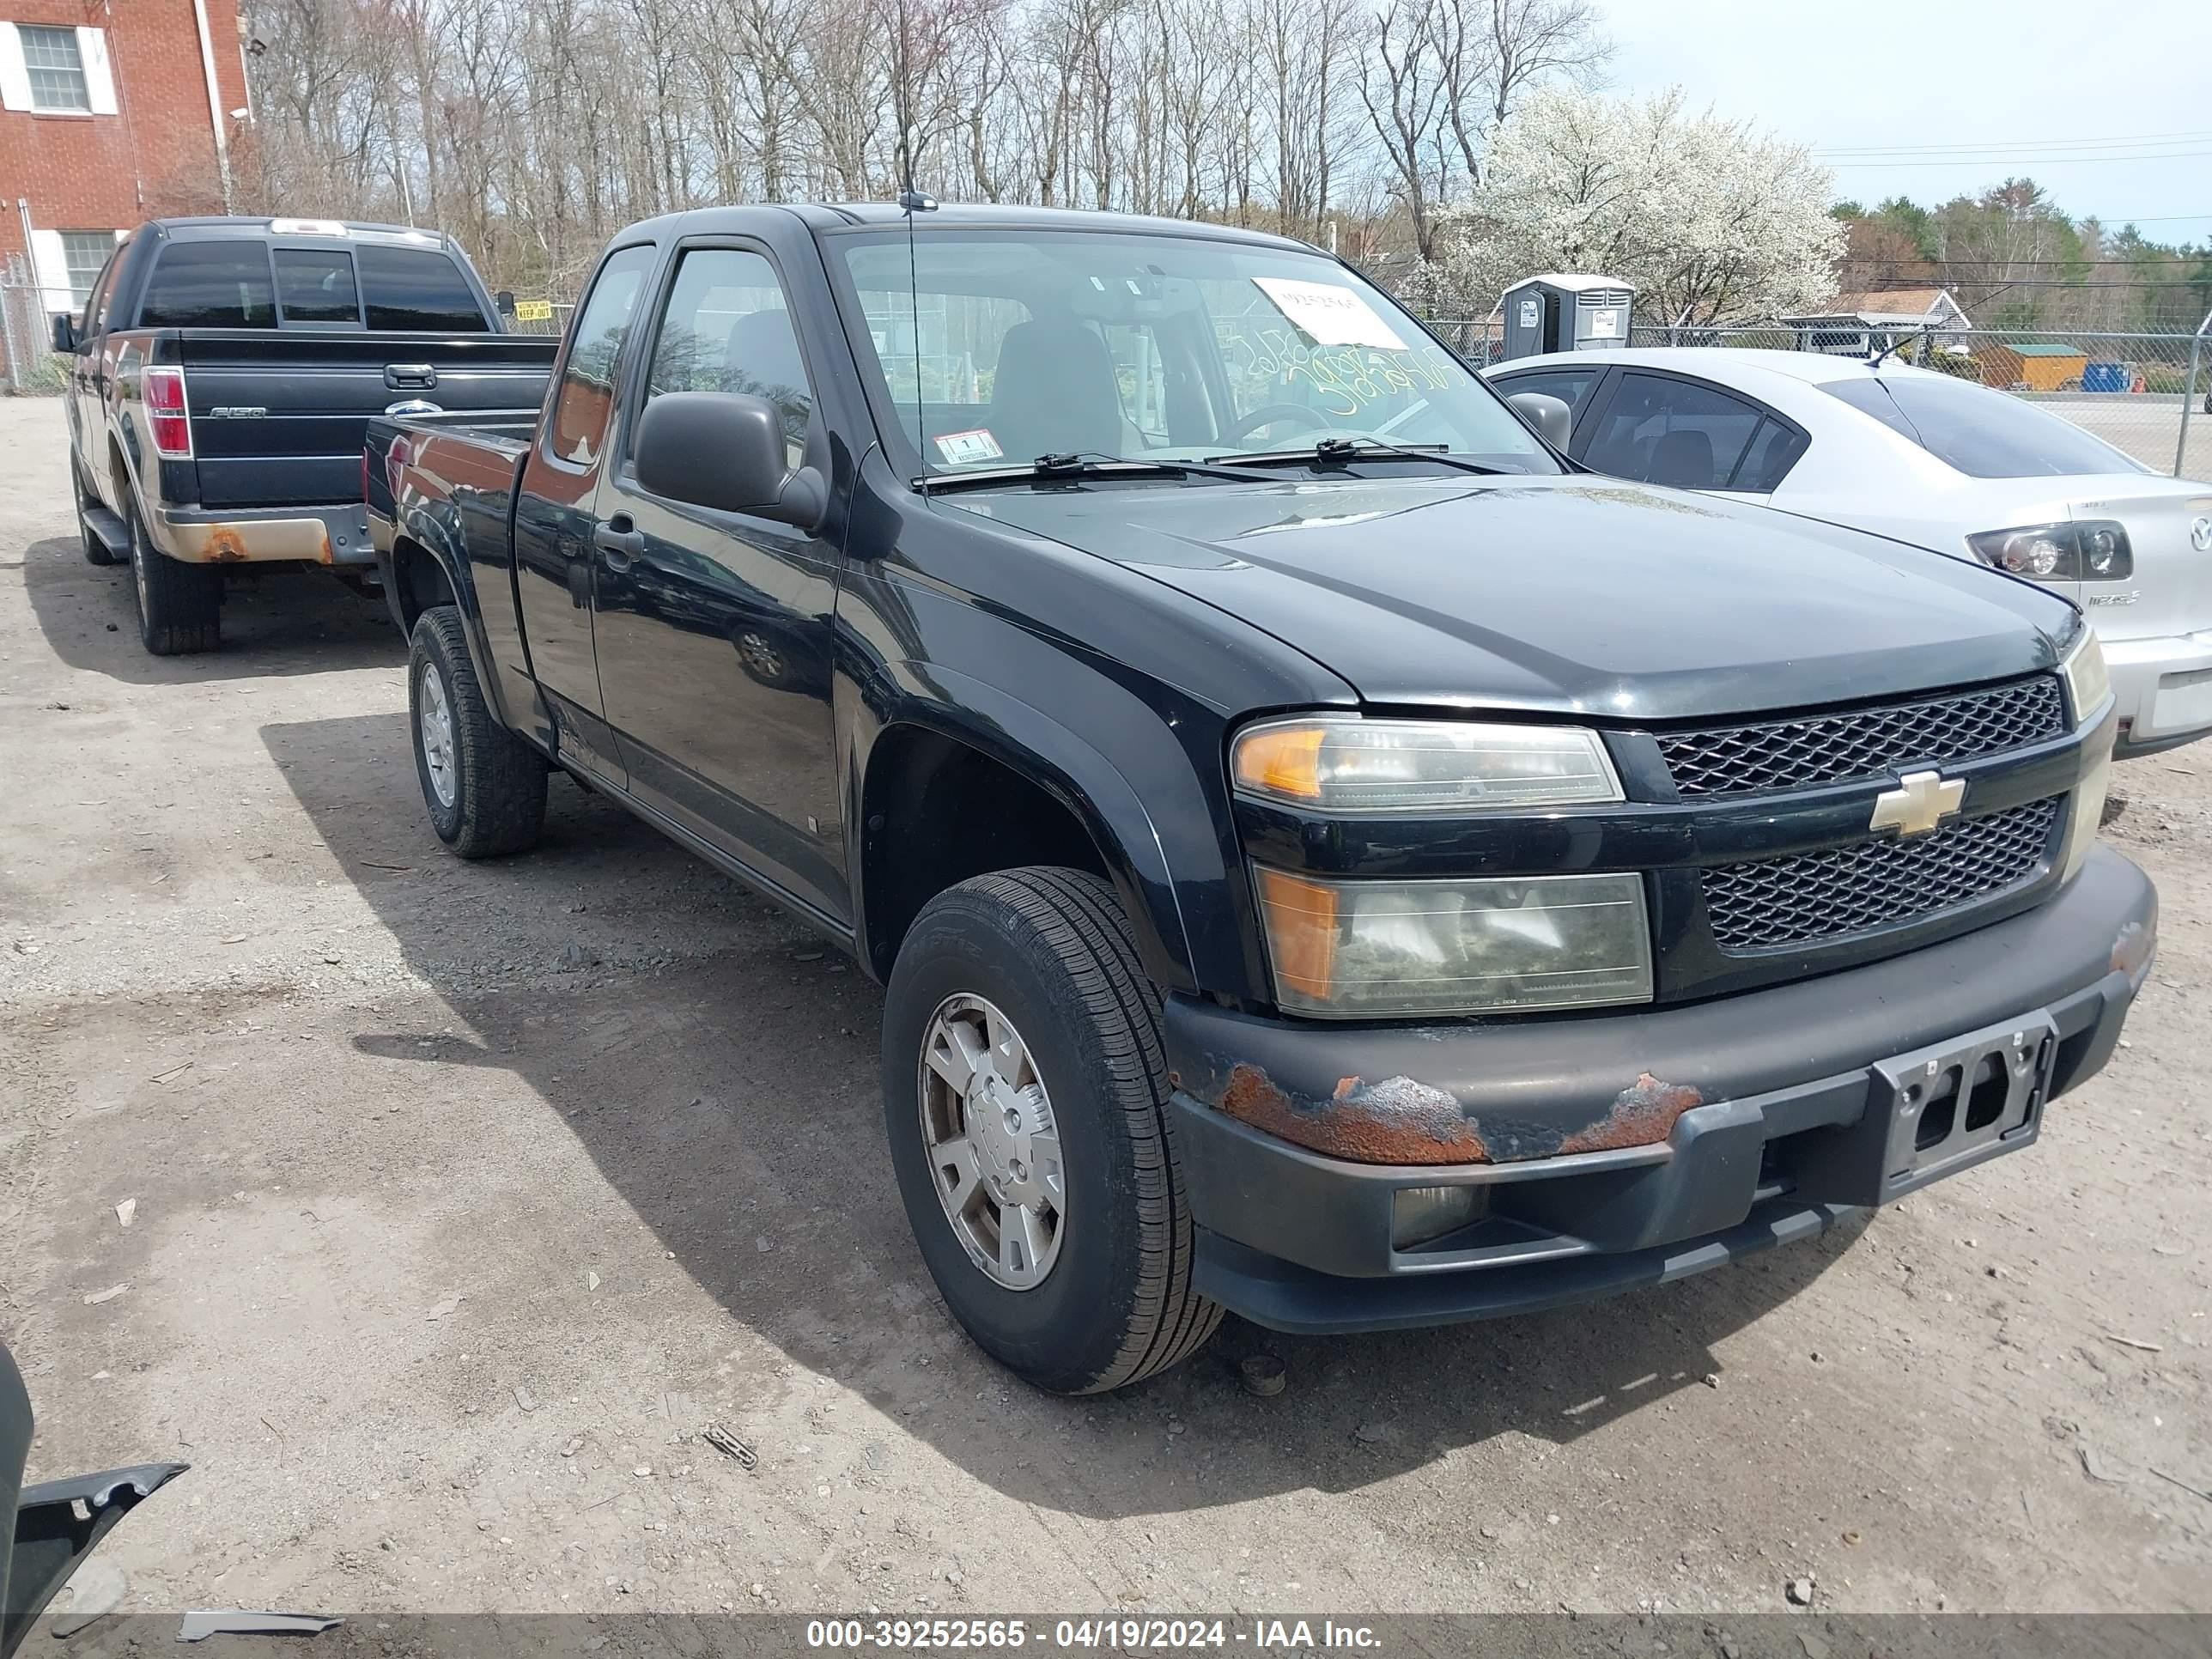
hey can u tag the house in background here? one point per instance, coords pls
(112, 111)
(1860, 324)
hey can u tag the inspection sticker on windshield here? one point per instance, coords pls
(965, 448)
(1333, 315)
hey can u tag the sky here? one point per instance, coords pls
(2107, 105)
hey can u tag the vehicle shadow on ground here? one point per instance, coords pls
(730, 1098)
(282, 623)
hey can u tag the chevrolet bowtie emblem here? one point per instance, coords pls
(1920, 801)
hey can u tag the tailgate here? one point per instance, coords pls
(278, 416)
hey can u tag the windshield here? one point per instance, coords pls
(1984, 433)
(1005, 345)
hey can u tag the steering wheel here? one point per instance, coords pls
(1269, 414)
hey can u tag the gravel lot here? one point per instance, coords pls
(449, 1239)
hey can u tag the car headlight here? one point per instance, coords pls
(2087, 681)
(2078, 550)
(1367, 949)
(1342, 763)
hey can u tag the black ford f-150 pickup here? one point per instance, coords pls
(1328, 858)
(220, 380)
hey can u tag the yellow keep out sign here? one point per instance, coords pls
(533, 311)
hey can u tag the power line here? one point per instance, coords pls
(2001, 143)
(2023, 161)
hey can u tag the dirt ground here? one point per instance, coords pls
(449, 1239)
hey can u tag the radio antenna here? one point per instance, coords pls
(911, 201)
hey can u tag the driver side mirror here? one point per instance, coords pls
(726, 450)
(1554, 420)
(65, 333)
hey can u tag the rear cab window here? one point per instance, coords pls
(316, 285)
(420, 291)
(1982, 433)
(243, 282)
(212, 284)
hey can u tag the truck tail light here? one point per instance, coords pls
(163, 390)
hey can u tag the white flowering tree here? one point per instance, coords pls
(1714, 221)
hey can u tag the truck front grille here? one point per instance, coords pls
(1864, 743)
(1822, 896)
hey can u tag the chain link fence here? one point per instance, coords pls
(2149, 395)
(27, 360)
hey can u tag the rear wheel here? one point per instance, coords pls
(1025, 1096)
(95, 550)
(179, 604)
(485, 787)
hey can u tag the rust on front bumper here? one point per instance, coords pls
(1403, 1120)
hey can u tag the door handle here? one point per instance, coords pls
(618, 541)
(401, 377)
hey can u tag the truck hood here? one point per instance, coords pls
(1567, 595)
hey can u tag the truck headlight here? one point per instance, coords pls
(1342, 763)
(2087, 681)
(1367, 949)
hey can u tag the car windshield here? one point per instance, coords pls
(995, 347)
(1983, 432)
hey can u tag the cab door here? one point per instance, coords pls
(715, 628)
(553, 522)
(88, 416)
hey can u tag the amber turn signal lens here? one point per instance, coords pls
(1301, 927)
(1281, 760)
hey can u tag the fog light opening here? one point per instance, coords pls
(1422, 1215)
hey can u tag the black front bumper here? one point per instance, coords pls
(1780, 1110)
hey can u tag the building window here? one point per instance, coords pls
(56, 69)
(84, 252)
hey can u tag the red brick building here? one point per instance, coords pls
(112, 111)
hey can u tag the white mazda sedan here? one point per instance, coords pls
(1929, 458)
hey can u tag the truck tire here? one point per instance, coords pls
(179, 604)
(95, 550)
(1054, 1222)
(485, 787)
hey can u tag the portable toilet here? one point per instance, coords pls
(1565, 312)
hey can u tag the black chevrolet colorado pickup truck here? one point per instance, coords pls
(219, 382)
(1328, 857)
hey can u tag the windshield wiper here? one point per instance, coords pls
(1335, 452)
(1048, 468)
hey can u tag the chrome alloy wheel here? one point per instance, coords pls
(993, 1145)
(436, 720)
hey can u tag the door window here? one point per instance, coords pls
(727, 329)
(315, 285)
(1569, 385)
(1678, 432)
(588, 378)
(1774, 450)
(95, 307)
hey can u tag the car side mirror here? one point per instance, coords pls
(1554, 420)
(65, 336)
(726, 450)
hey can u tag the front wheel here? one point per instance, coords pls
(1025, 1095)
(485, 787)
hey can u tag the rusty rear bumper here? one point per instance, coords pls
(1611, 1150)
(312, 535)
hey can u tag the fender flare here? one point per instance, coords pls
(418, 521)
(1155, 855)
